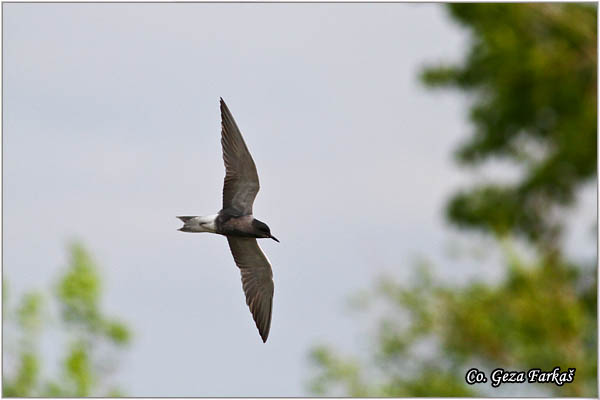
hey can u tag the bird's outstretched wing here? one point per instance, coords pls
(241, 179)
(257, 280)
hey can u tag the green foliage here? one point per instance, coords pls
(79, 291)
(26, 379)
(78, 295)
(79, 370)
(531, 71)
(337, 370)
(117, 332)
(29, 312)
(28, 316)
(432, 334)
(534, 319)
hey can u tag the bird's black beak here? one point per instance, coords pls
(275, 239)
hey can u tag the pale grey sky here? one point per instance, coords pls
(112, 127)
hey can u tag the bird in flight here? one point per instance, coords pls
(236, 222)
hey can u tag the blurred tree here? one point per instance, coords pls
(531, 71)
(91, 336)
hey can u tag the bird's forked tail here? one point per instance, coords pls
(186, 226)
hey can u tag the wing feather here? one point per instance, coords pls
(241, 179)
(257, 280)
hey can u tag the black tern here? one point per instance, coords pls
(236, 222)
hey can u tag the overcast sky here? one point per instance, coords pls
(112, 128)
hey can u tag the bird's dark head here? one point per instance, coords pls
(262, 230)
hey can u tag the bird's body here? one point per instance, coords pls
(236, 222)
(226, 224)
